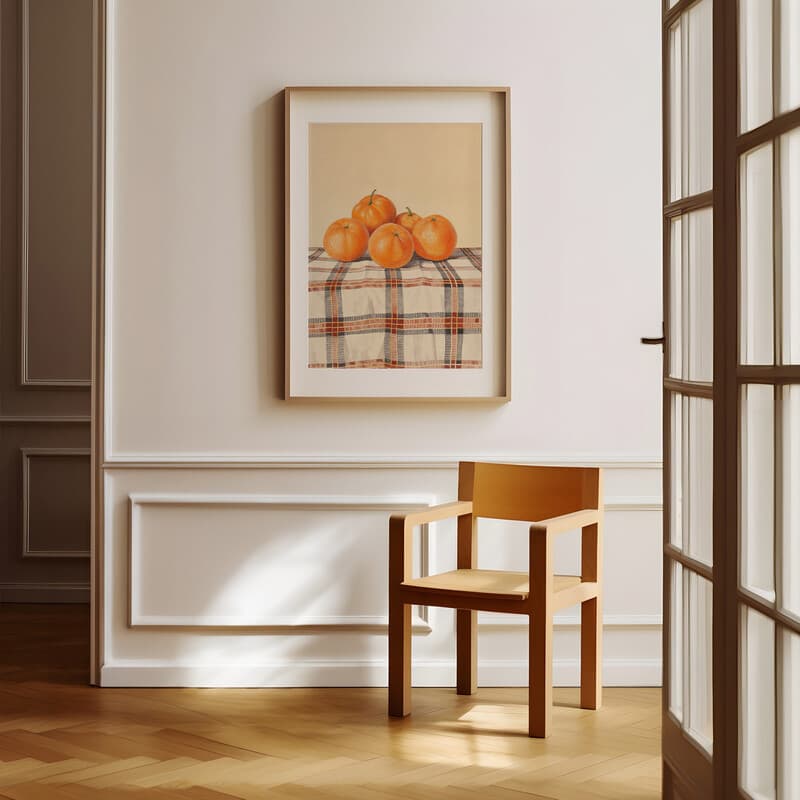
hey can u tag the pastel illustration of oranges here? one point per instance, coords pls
(391, 239)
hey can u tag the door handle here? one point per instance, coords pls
(654, 339)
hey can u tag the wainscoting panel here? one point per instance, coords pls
(219, 575)
(55, 502)
(44, 469)
(632, 574)
(274, 568)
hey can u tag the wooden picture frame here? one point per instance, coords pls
(437, 327)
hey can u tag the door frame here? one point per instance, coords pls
(97, 572)
(725, 632)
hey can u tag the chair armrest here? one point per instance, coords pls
(540, 551)
(401, 527)
(567, 522)
(458, 508)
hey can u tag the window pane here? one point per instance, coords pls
(758, 482)
(757, 764)
(791, 501)
(789, 56)
(676, 641)
(790, 240)
(789, 723)
(699, 88)
(755, 63)
(676, 262)
(677, 432)
(700, 720)
(756, 257)
(690, 102)
(691, 475)
(691, 296)
(676, 112)
(701, 295)
(700, 479)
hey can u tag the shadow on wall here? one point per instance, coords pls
(268, 229)
(305, 585)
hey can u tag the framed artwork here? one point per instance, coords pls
(397, 243)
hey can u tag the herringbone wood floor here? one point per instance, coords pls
(62, 740)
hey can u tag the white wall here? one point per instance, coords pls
(195, 344)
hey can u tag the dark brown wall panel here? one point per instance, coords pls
(45, 298)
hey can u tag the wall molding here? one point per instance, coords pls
(420, 622)
(509, 621)
(366, 672)
(566, 672)
(102, 225)
(15, 419)
(278, 624)
(44, 592)
(280, 502)
(27, 454)
(211, 461)
(643, 503)
(489, 620)
(25, 379)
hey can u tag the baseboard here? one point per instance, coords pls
(616, 672)
(44, 593)
(566, 672)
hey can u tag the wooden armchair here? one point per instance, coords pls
(555, 500)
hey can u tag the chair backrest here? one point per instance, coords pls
(528, 493)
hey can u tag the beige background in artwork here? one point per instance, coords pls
(435, 168)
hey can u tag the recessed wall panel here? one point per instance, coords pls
(56, 192)
(56, 486)
(254, 561)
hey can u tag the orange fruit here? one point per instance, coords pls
(374, 210)
(346, 239)
(408, 219)
(391, 246)
(435, 238)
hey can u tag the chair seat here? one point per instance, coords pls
(500, 585)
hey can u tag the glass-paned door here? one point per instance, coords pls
(731, 72)
(689, 222)
(768, 395)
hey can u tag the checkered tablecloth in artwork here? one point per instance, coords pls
(424, 315)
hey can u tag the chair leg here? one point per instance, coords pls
(591, 653)
(540, 673)
(466, 652)
(399, 659)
